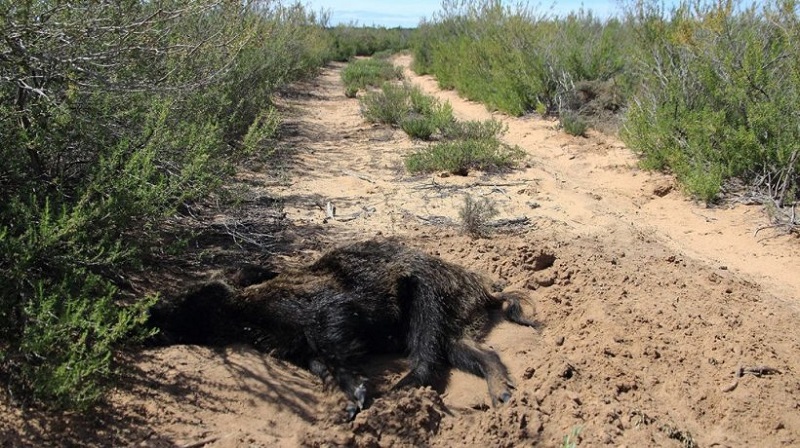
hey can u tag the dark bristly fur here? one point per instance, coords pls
(371, 297)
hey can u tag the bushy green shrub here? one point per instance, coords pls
(706, 87)
(371, 72)
(404, 105)
(461, 156)
(418, 126)
(573, 124)
(518, 61)
(113, 115)
(474, 129)
(390, 105)
(718, 83)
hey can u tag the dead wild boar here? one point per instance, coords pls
(369, 297)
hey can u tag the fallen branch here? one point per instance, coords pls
(239, 237)
(436, 220)
(434, 186)
(787, 220)
(522, 220)
(201, 443)
(330, 213)
(357, 175)
(757, 371)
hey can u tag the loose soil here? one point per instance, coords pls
(665, 323)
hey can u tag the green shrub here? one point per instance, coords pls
(574, 124)
(73, 330)
(474, 130)
(369, 72)
(460, 156)
(421, 103)
(518, 61)
(105, 134)
(351, 91)
(418, 126)
(475, 215)
(719, 108)
(389, 106)
(706, 87)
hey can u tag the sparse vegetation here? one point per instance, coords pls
(461, 156)
(573, 124)
(464, 145)
(372, 72)
(390, 105)
(419, 115)
(476, 214)
(474, 130)
(571, 439)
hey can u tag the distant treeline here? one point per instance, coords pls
(349, 40)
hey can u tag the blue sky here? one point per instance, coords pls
(409, 13)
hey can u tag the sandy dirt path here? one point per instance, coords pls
(664, 323)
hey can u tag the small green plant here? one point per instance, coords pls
(390, 105)
(573, 124)
(418, 126)
(263, 129)
(476, 214)
(474, 130)
(571, 440)
(420, 102)
(541, 109)
(459, 157)
(351, 91)
(439, 115)
(372, 72)
(442, 115)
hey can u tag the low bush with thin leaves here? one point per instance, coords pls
(105, 135)
(418, 126)
(574, 124)
(474, 129)
(373, 72)
(406, 106)
(718, 96)
(461, 156)
(389, 105)
(476, 214)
